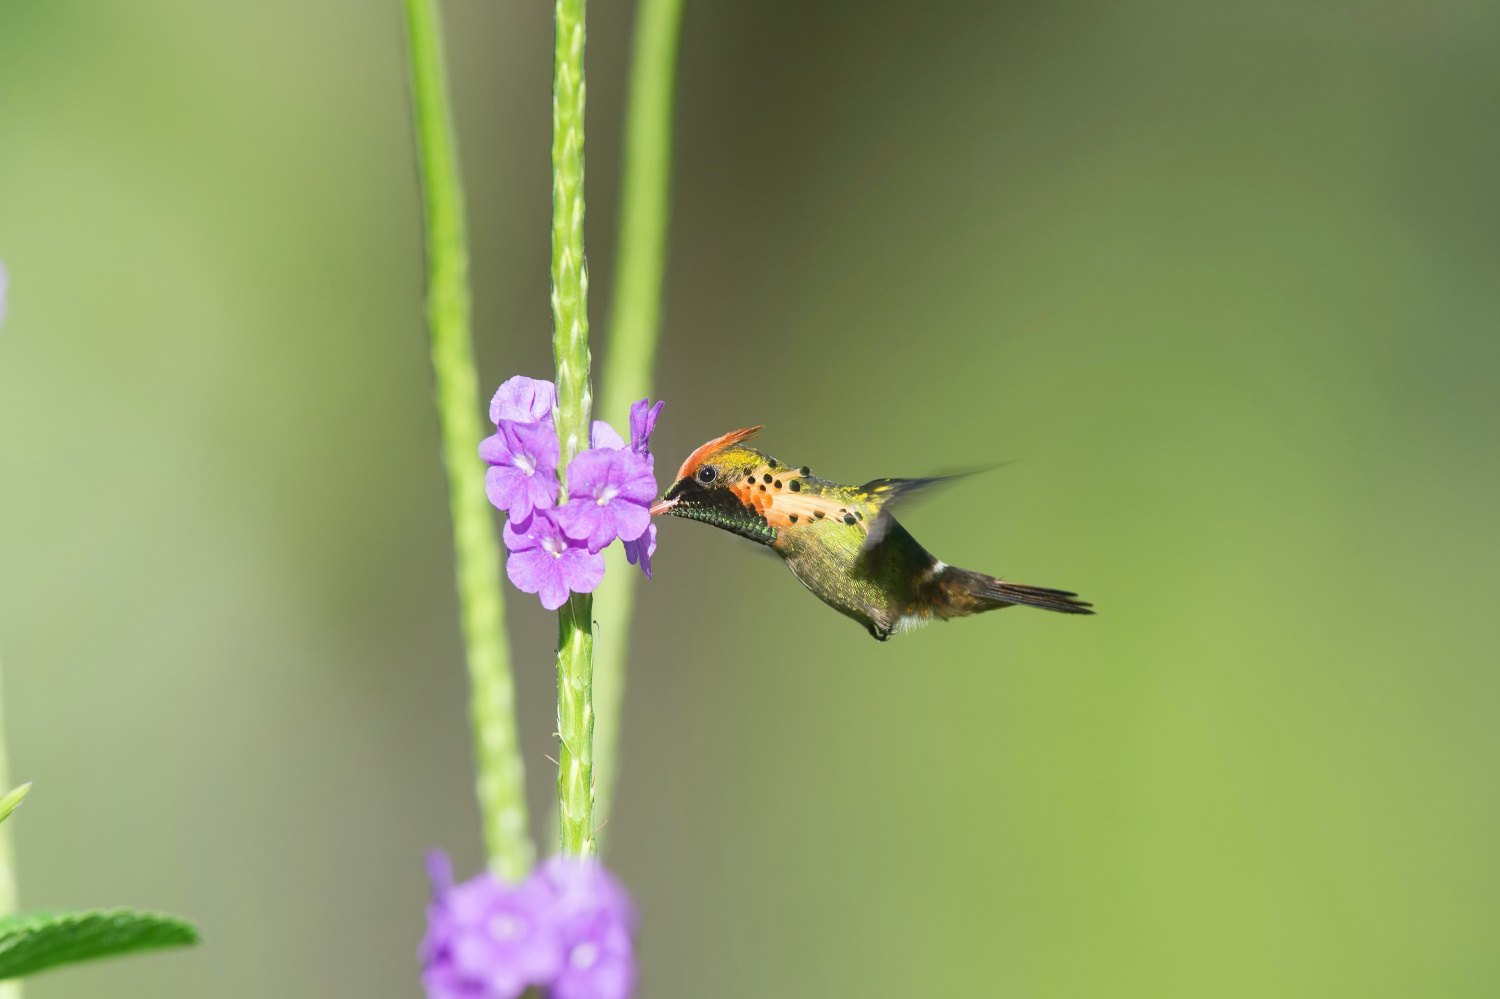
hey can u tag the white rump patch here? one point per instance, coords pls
(910, 622)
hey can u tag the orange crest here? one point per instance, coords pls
(714, 447)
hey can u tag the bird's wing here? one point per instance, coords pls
(880, 494)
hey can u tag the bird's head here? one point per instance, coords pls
(710, 485)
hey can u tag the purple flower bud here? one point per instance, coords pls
(642, 421)
(523, 473)
(525, 400)
(546, 562)
(439, 871)
(609, 496)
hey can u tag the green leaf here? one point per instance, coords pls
(34, 942)
(10, 801)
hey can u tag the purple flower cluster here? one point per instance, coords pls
(566, 928)
(555, 550)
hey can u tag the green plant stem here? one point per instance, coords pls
(575, 726)
(635, 322)
(570, 349)
(501, 779)
(9, 896)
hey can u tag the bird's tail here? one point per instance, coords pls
(972, 592)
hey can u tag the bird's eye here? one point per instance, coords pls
(707, 474)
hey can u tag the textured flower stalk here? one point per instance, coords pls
(570, 350)
(635, 322)
(501, 777)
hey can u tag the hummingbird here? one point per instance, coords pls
(840, 541)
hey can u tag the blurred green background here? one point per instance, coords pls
(1222, 281)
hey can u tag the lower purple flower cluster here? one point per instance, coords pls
(555, 549)
(566, 928)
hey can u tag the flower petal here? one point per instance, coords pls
(494, 450)
(554, 592)
(535, 442)
(518, 535)
(541, 489)
(594, 918)
(581, 569)
(636, 481)
(579, 518)
(589, 472)
(491, 939)
(603, 535)
(641, 549)
(526, 400)
(599, 470)
(531, 569)
(506, 489)
(602, 435)
(630, 520)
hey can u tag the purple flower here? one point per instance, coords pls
(642, 421)
(641, 549)
(545, 562)
(566, 928)
(594, 920)
(525, 400)
(609, 496)
(487, 939)
(523, 467)
(611, 487)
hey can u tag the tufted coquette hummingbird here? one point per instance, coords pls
(839, 540)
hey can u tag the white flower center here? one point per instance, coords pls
(609, 493)
(507, 927)
(526, 463)
(553, 546)
(584, 955)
